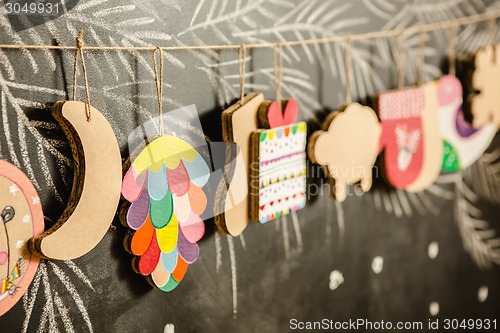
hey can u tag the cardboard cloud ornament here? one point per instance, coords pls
(347, 147)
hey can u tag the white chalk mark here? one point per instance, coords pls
(286, 236)
(169, 328)
(218, 252)
(234, 284)
(243, 243)
(81, 275)
(298, 233)
(74, 294)
(482, 294)
(63, 312)
(48, 309)
(433, 250)
(377, 264)
(340, 222)
(336, 279)
(434, 309)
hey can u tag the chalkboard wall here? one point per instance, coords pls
(386, 255)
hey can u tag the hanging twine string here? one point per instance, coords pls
(242, 63)
(452, 57)
(159, 85)
(278, 69)
(421, 57)
(79, 52)
(400, 64)
(348, 70)
(492, 30)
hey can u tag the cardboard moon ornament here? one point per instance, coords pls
(96, 186)
(21, 217)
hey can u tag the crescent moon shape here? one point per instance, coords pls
(96, 186)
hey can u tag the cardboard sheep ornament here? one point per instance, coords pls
(347, 147)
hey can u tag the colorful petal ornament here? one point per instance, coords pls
(164, 186)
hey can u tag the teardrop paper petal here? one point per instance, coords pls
(171, 285)
(167, 149)
(169, 260)
(197, 199)
(161, 211)
(159, 276)
(133, 185)
(149, 260)
(193, 228)
(188, 251)
(198, 170)
(157, 183)
(182, 207)
(178, 180)
(138, 211)
(180, 270)
(142, 238)
(167, 236)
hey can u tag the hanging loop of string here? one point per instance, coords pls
(421, 57)
(400, 63)
(159, 85)
(242, 63)
(348, 70)
(79, 52)
(452, 57)
(278, 69)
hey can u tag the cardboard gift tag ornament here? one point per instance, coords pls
(96, 185)
(238, 122)
(486, 105)
(164, 186)
(278, 162)
(21, 217)
(347, 147)
(463, 144)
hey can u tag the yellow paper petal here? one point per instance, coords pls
(167, 236)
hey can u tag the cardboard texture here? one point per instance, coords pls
(21, 218)
(463, 144)
(164, 188)
(486, 105)
(347, 147)
(432, 157)
(96, 185)
(278, 162)
(238, 122)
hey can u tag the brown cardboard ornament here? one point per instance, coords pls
(96, 186)
(486, 105)
(238, 122)
(347, 147)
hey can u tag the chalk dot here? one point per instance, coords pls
(169, 328)
(378, 264)
(336, 279)
(434, 308)
(482, 294)
(433, 250)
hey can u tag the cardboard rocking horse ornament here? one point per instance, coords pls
(347, 147)
(278, 162)
(238, 122)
